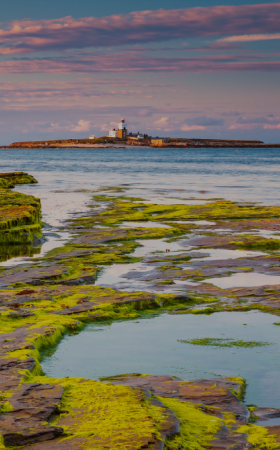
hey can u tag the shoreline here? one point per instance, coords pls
(130, 147)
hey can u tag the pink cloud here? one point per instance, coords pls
(119, 62)
(161, 123)
(270, 122)
(272, 127)
(250, 38)
(106, 127)
(138, 27)
(83, 125)
(244, 126)
(192, 127)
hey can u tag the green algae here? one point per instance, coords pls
(256, 243)
(5, 407)
(219, 342)
(259, 437)
(20, 214)
(10, 180)
(197, 429)
(140, 211)
(239, 392)
(209, 310)
(126, 417)
(253, 417)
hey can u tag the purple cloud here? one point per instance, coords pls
(138, 28)
(122, 62)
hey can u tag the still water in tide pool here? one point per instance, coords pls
(150, 346)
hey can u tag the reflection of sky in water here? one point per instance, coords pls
(116, 273)
(197, 222)
(111, 275)
(150, 346)
(247, 279)
(56, 206)
(143, 225)
(269, 422)
(219, 253)
(174, 201)
(157, 245)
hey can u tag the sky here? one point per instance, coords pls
(194, 69)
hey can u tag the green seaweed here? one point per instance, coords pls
(197, 429)
(259, 437)
(126, 418)
(218, 342)
(20, 214)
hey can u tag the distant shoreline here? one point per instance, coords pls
(106, 142)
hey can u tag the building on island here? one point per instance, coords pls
(113, 133)
(158, 142)
(121, 132)
(136, 136)
(92, 136)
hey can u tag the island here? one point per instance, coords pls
(131, 142)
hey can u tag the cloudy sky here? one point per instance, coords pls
(185, 68)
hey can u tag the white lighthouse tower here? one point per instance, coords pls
(122, 129)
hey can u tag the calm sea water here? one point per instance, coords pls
(246, 174)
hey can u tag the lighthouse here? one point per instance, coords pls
(122, 129)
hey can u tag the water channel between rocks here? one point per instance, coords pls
(150, 345)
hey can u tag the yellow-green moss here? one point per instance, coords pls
(5, 407)
(140, 211)
(196, 430)
(239, 392)
(113, 416)
(259, 437)
(2, 445)
(20, 214)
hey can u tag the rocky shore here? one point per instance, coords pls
(41, 302)
(20, 214)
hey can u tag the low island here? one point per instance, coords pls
(131, 141)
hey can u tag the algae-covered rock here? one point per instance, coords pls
(10, 180)
(20, 214)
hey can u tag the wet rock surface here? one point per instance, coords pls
(214, 392)
(33, 404)
(212, 396)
